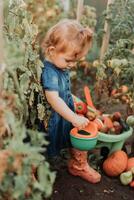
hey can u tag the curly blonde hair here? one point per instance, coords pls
(67, 33)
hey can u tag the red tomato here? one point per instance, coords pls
(81, 108)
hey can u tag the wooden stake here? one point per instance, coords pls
(2, 66)
(106, 36)
(79, 9)
(66, 5)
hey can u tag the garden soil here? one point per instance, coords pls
(68, 187)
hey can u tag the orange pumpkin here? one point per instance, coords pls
(130, 163)
(116, 163)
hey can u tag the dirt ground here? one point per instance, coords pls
(68, 187)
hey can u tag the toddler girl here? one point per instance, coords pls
(64, 44)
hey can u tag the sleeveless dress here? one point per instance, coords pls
(56, 79)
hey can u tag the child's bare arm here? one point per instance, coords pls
(61, 107)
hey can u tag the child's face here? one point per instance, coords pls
(67, 60)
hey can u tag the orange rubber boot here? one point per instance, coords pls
(78, 166)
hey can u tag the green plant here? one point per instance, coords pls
(19, 158)
(117, 67)
(45, 14)
(20, 108)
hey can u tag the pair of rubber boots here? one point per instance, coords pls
(78, 166)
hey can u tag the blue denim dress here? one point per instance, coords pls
(56, 79)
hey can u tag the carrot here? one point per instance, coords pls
(88, 97)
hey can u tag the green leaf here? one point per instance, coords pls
(41, 111)
(24, 81)
(20, 186)
(44, 177)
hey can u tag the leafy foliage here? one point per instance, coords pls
(122, 41)
(88, 18)
(118, 62)
(45, 14)
(20, 160)
(122, 36)
(20, 109)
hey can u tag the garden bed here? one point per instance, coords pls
(68, 187)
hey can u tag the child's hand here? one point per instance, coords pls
(80, 121)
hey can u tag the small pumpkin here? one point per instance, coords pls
(130, 163)
(130, 120)
(116, 163)
(126, 177)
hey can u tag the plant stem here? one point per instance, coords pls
(2, 65)
(20, 93)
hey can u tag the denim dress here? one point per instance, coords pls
(56, 79)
